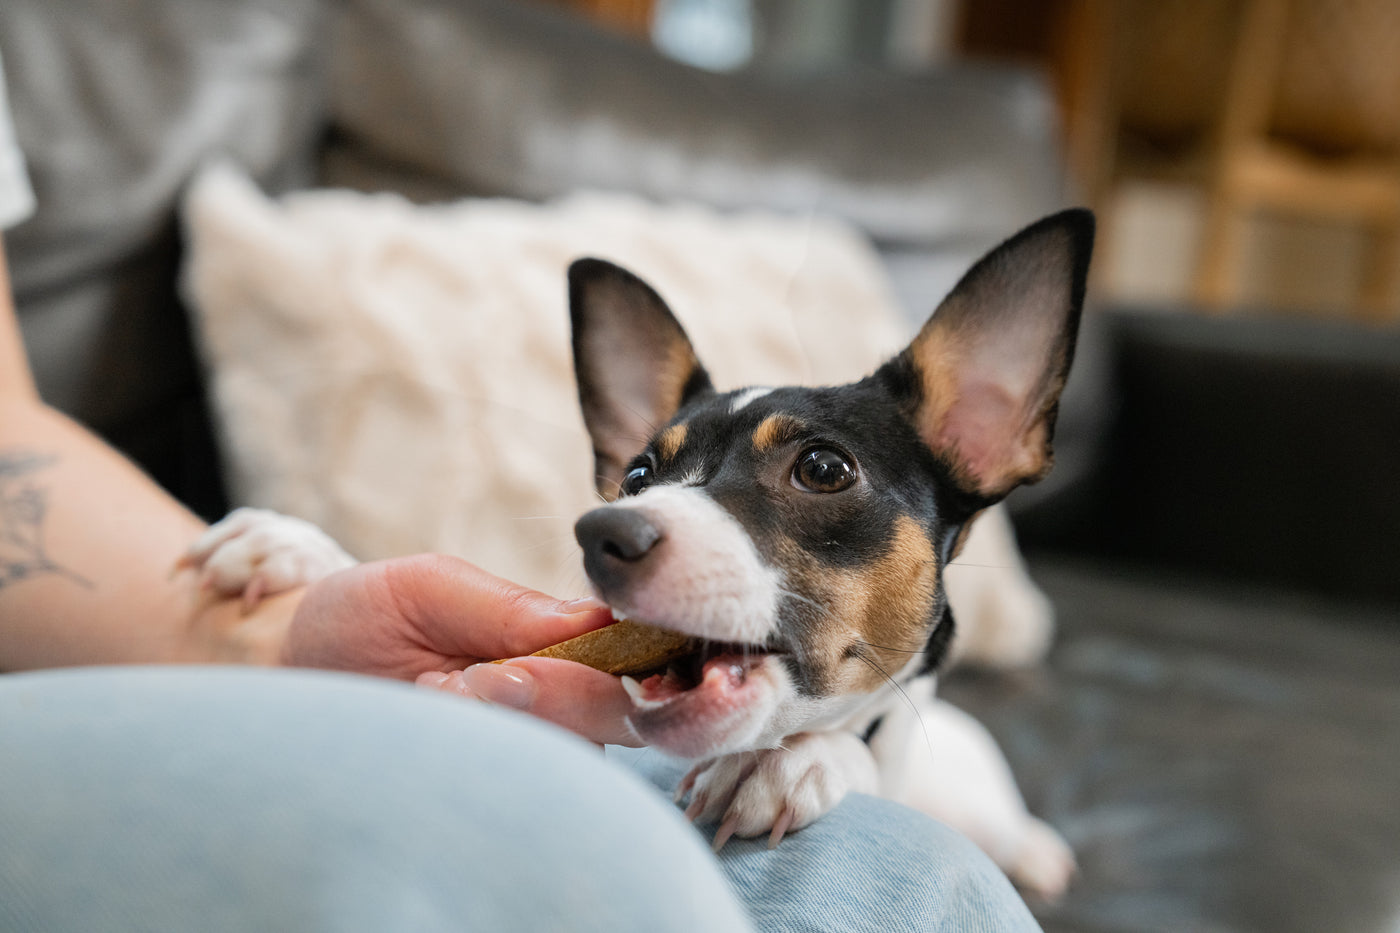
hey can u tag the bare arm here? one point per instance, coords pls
(87, 545)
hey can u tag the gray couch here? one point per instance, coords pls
(1221, 754)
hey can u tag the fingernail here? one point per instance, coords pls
(583, 604)
(432, 679)
(500, 684)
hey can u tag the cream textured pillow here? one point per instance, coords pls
(401, 375)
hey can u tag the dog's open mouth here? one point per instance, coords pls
(711, 700)
(718, 667)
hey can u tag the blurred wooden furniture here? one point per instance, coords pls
(1307, 126)
(1286, 107)
(1281, 107)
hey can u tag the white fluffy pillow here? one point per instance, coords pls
(401, 375)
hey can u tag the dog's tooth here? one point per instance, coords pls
(634, 690)
(619, 616)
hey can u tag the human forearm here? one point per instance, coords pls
(87, 546)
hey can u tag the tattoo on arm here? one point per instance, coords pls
(23, 509)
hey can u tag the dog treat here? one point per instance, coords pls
(622, 648)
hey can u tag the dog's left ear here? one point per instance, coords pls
(981, 382)
(634, 364)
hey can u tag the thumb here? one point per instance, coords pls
(588, 703)
(464, 611)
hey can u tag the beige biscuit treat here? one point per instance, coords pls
(622, 648)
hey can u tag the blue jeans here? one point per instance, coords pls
(212, 799)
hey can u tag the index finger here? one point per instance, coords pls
(464, 611)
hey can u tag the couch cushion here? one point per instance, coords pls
(401, 374)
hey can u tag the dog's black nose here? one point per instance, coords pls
(614, 541)
(623, 534)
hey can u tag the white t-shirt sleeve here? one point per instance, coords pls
(16, 197)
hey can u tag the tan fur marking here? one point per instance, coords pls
(885, 605)
(936, 356)
(774, 430)
(681, 362)
(991, 462)
(671, 440)
(899, 592)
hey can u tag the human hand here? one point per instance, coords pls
(444, 616)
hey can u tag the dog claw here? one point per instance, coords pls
(725, 832)
(684, 788)
(781, 827)
(697, 806)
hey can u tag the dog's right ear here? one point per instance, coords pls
(634, 364)
(981, 382)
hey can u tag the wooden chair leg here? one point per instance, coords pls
(1217, 262)
(1243, 120)
(1379, 300)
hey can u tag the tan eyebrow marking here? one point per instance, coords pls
(774, 430)
(671, 440)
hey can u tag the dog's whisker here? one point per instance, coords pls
(600, 478)
(642, 439)
(868, 644)
(908, 700)
(806, 600)
(548, 543)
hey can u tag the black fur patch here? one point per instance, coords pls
(937, 648)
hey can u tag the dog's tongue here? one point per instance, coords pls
(720, 676)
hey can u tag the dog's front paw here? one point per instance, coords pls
(777, 790)
(257, 553)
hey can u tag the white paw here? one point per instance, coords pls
(1044, 864)
(257, 553)
(777, 790)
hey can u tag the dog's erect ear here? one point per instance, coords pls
(981, 382)
(634, 364)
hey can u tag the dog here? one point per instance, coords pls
(801, 534)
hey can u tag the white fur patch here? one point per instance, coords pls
(710, 580)
(745, 397)
(936, 758)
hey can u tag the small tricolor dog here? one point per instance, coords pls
(801, 535)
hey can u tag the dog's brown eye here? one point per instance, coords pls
(637, 479)
(823, 470)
